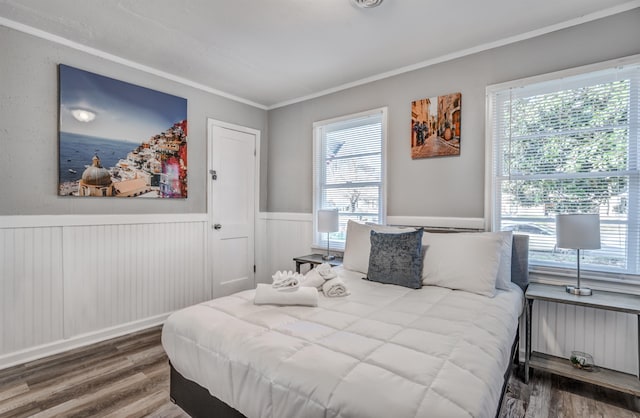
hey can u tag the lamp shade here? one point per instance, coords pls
(578, 231)
(328, 220)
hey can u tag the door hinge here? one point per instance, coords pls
(254, 268)
(214, 175)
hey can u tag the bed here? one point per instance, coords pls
(383, 351)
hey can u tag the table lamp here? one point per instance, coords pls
(579, 232)
(328, 221)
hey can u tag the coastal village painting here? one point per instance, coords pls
(435, 126)
(120, 140)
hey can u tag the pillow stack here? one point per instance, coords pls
(358, 245)
(474, 262)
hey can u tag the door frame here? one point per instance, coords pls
(211, 123)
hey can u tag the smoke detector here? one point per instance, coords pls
(365, 4)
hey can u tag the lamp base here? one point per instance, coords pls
(580, 291)
(328, 257)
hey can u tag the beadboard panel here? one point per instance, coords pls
(558, 329)
(610, 337)
(77, 282)
(30, 287)
(84, 281)
(288, 236)
(263, 274)
(115, 274)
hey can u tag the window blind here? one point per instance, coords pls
(349, 170)
(569, 145)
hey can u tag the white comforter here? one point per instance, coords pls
(384, 351)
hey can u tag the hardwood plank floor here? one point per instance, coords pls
(124, 377)
(129, 377)
(551, 396)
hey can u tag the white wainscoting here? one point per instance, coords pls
(610, 337)
(31, 288)
(71, 280)
(287, 235)
(558, 329)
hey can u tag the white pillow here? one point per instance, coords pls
(358, 245)
(467, 262)
(504, 271)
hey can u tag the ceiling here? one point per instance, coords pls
(273, 52)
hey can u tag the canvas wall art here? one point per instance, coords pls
(117, 139)
(435, 126)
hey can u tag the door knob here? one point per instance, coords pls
(217, 226)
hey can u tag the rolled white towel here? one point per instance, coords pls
(303, 296)
(335, 288)
(312, 279)
(326, 271)
(286, 279)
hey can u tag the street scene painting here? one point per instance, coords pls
(117, 139)
(435, 126)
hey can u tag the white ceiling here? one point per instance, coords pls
(273, 52)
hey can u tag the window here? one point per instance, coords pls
(568, 143)
(349, 169)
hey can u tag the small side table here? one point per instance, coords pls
(314, 260)
(611, 301)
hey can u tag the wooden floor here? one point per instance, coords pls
(550, 396)
(129, 377)
(123, 377)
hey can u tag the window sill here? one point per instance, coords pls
(339, 250)
(597, 281)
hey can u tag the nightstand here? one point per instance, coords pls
(611, 301)
(314, 260)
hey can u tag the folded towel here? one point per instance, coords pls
(267, 295)
(335, 288)
(312, 279)
(286, 279)
(326, 271)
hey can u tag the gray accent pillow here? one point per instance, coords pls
(396, 258)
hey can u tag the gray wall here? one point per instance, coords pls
(29, 131)
(445, 186)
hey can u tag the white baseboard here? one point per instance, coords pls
(45, 350)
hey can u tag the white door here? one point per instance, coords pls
(231, 206)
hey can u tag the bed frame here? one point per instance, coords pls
(198, 402)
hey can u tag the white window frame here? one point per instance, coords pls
(319, 239)
(605, 280)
